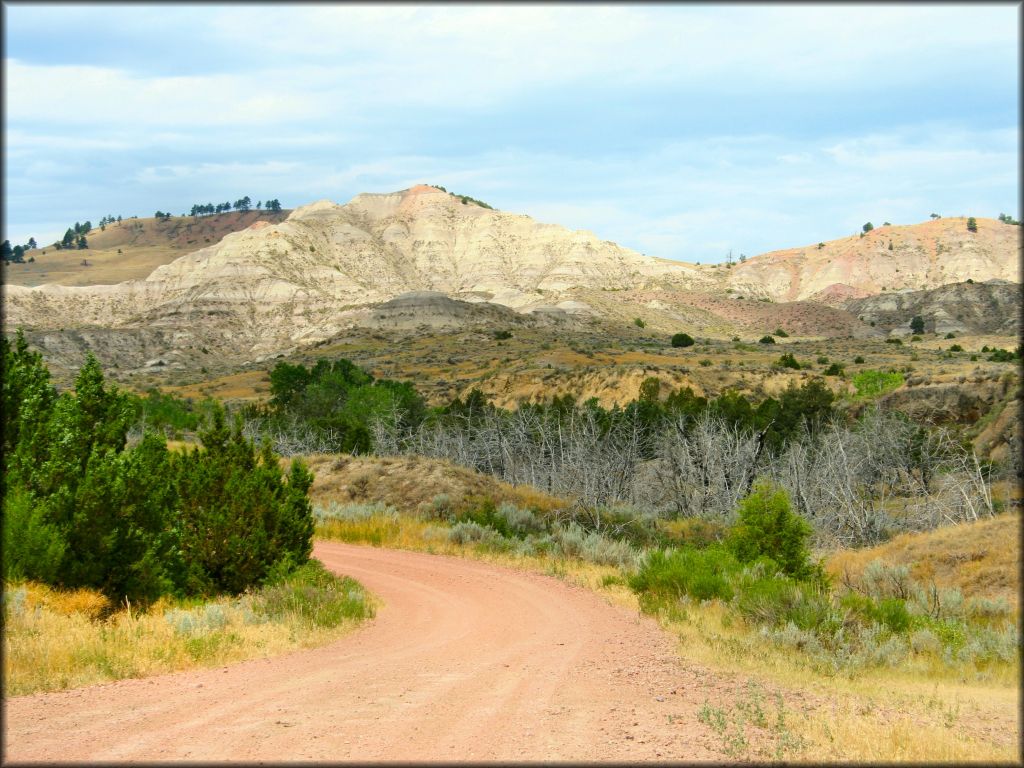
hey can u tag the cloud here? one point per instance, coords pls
(84, 95)
(675, 130)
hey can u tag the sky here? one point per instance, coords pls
(681, 131)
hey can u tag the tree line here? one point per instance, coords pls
(83, 508)
(685, 456)
(673, 455)
(242, 204)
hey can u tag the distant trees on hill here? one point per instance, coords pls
(16, 254)
(74, 237)
(242, 204)
(1007, 219)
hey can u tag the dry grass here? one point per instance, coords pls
(982, 559)
(412, 483)
(54, 640)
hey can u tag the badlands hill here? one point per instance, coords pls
(888, 258)
(131, 248)
(275, 284)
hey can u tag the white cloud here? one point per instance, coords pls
(84, 95)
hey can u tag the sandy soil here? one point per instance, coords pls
(464, 661)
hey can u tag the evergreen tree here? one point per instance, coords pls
(6, 252)
(917, 324)
(972, 224)
(32, 244)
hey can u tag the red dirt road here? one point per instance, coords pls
(464, 661)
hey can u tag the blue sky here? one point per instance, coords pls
(681, 131)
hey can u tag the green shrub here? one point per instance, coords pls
(638, 322)
(873, 383)
(767, 598)
(766, 340)
(893, 340)
(858, 359)
(781, 333)
(682, 340)
(834, 370)
(767, 527)
(698, 573)
(1003, 356)
(502, 335)
(955, 348)
(788, 361)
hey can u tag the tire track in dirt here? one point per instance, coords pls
(464, 661)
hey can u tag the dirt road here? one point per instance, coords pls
(464, 661)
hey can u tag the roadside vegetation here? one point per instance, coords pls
(207, 540)
(57, 638)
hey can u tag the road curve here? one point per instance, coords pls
(464, 661)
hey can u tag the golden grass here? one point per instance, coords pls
(982, 558)
(54, 640)
(411, 483)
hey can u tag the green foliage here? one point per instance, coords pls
(894, 340)
(638, 322)
(467, 200)
(781, 333)
(874, 383)
(238, 515)
(868, 227)
(834, 370)
(972, 224)
(82, 509)
(340, 400)
(917, 324)
(682, 340)
(859, 359)
(1003, 356)
(169, 413)
(768, 527)
(33, 548)
(650, 388)
(699, 573)
(766, 340)
(502, 335)
(788, 361)
(955, 348)
(950, 335)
